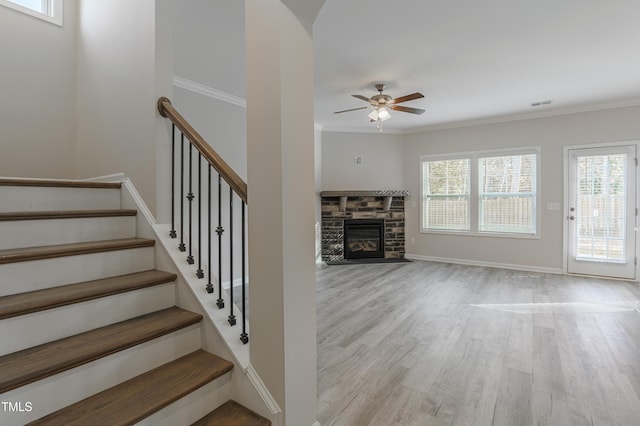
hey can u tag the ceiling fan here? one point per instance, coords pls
(382, 103)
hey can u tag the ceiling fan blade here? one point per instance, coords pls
(352, 109)
(407, 98)
(406, 109)
(364, 98)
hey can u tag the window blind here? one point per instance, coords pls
(446, 192)
(507, 194)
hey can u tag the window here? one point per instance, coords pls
(481, 193)
(37, 5)
(47, 10)
(446, 194)
(507, 194)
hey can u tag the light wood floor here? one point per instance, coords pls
(427, 343)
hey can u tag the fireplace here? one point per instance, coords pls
(363, 238)
(384, 207)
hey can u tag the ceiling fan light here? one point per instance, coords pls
(383, 114)
(373, 115)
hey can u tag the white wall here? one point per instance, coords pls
(163, 88)
(209, 54)
(280, 158)
(317, 157)
(382, 161)
(37, 101)
(209, 50)
(209, 44)
(223, 126)
(116, 91)
(551, 134)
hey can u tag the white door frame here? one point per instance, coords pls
(565, 209)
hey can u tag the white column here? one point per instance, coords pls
(280, 160)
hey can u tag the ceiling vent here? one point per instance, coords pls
(541, 103)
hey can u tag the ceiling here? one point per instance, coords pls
(475, 62)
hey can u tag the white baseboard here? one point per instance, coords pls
(468, 262)
(264, 393)
(137, 198)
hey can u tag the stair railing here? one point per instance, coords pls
(237, 191)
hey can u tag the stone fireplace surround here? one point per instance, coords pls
(340, 205)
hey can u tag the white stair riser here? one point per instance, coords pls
(53, 324)
(33, 275)
(194, 406)
(58, 391)
(33, 233)
(18, 199)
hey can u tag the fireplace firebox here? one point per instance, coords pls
(363, 238)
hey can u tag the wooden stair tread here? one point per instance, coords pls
(48, 252)
(232, 414)
(135, 399)
(58, 183)
(39, 300)
(29, 365)
(70, 214)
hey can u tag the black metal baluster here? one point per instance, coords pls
(232, 318)
(173, 233)
(219, 231)
(190, 198)
(209, 284)
(200, 272)
(181, 246)
(244, 337)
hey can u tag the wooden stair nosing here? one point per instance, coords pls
(65, 214)
(49, 298)
(60, 183)
(232, 414)
(73, 249)
(138, 398)
(29, 365)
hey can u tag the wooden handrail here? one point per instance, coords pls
(228, 174)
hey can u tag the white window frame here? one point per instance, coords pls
(474, 207)
(428, 158)
(53, 14)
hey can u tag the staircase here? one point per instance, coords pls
(90, 330)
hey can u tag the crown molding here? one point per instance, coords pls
(551, 112)
(546, 113)
(219, 95)
(371, 130)
(210, 92)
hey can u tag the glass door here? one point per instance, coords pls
(601, 211)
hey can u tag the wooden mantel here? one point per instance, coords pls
(387, 194)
